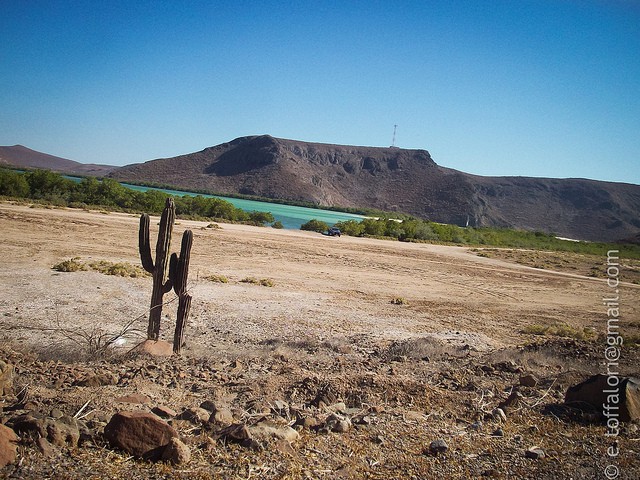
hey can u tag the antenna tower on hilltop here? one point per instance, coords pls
(393, 142)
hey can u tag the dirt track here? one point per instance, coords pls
(334, 288)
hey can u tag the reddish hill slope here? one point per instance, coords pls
(23, 157)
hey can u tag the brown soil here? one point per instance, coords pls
(395, 330)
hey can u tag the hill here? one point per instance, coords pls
(401, 180)
(23, 157)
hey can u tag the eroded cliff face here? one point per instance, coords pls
(402, 180)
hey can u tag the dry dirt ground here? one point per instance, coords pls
(420, 342)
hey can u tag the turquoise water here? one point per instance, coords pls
(291, 217)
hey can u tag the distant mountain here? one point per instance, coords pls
(402, 180)
(23, 157)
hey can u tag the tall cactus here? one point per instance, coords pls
(161, 284)
(179, 271)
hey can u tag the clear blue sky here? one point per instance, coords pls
(514, 87)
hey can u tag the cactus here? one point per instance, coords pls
(179, 271)
(161, 284)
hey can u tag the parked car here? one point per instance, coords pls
(334, 232)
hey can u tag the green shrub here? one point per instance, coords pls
(277, 224)
(315, 226)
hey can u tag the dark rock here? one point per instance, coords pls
(598, 391)
(337, 423)
(534, 453)
(528, 380)
(164, 412)
(140, 434)
(437, 447)
(194, 415)
(62, 432)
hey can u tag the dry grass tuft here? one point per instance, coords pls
(121, 269)
(71, 265)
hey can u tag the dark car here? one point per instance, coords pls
(334, 232)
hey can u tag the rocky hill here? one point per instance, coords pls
(402, 180)
(23, 157)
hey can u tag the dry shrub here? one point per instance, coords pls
(71, 265)
(121, 269)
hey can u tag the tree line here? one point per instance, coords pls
(52, 188)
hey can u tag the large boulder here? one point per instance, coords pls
(619, 397)
(140, 434)
(8, 439)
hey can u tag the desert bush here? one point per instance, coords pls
(71, 265)
(217, 278)
(315, 226)
(265, 282)
(398, 301)
(121, 269)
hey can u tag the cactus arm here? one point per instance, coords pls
(182, 267)
(144, 246)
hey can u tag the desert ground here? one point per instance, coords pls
(413, 342)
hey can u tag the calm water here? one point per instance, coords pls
(290, 216)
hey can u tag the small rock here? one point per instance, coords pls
(98, 380)
(222, 416)
(164, 412)
(438, 446)
(208, 405)
(528, 380)
(512, 401)
(45, 447)
(308, 422)
(6, 378)
(194, 415)
(534, 453)
(476, 426)
(62, 432)
(498, 433)
(176, 452)
(155, 348)
(8, 440)
(56, 413)
(140, 434)
(337, 423)
(266, 431)
(499, 414)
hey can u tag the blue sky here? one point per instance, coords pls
(514, 87)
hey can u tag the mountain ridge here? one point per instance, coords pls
(403, 180)
(383, 178)
(23, 157)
